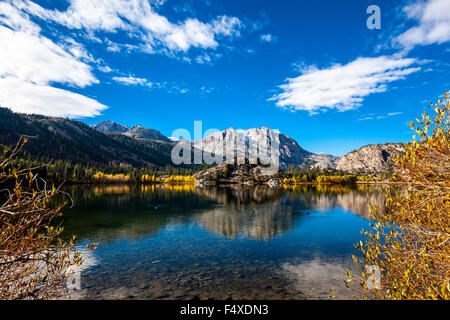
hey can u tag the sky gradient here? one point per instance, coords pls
(311, 69)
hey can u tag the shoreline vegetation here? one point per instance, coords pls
(277, 180)
(222, 174)
(59, 172)
(35, 263)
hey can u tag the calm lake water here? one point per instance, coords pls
(181, 242)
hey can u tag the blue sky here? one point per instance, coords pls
(311, 69)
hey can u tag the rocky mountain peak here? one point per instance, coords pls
(140, 132)
(370, 159)
(111, 127)
(137, 131)
(289, 152)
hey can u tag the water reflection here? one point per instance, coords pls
(182, 242)
(105, 213)
(316, 277)
(261, 213)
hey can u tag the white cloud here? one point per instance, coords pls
(27, 97)
(33, 64)
(105, 69)
(133, 81)
(372, 116)
(30, 63)
(139, 20)
(268, 38)
(16, 20)
(342, 87)
(316, 276)
(226, 26)
(113, 47)
(433, 17)
(365, 118)
(33, 58)
(203, 59)
(205, 89)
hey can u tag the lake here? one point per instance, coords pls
(181, 242)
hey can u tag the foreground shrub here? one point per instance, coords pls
(410, 244)
(34, 262)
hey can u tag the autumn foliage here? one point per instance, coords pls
(111, 178)
(410, 243)
(346, 179)
(169, 179)
(34, 262)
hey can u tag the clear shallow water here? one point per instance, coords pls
(218, 243)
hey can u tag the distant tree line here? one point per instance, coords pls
(308, 173)
(59, 171)
(70, 171)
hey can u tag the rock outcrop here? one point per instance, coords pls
(230, 173)
(371, 159)
(137, 132)
(110, 127)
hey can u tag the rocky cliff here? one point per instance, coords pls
(110, 127)
(371, 159)
(137, 132)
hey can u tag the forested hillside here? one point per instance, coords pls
(64, 139)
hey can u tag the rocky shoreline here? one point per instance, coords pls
(250, 174)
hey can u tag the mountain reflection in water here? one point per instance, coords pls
(263, 213)
(182, 242)
(232, 211)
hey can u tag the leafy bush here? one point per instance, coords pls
(34, 262)
(410, 243)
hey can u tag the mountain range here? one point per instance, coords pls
(116, 144)
(138, 131)
(289, 153)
